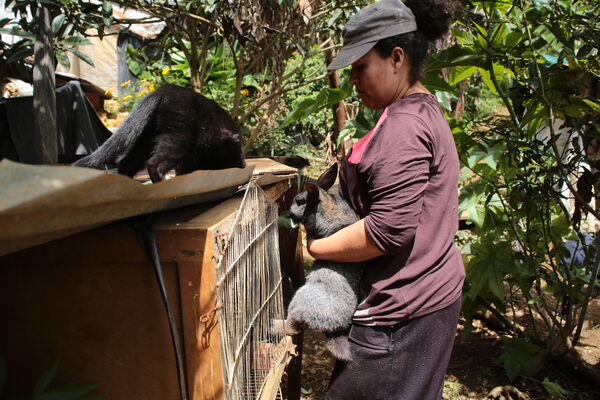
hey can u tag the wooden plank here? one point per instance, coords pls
(292, 268)
(206, 376)
(105, 322)
(272, 382)
(266, 165)
(190, 276)
(38, 203)
(103, 283)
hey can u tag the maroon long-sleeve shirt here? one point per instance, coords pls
(402, 178)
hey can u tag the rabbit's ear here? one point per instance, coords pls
(313, 191)
(327, 178)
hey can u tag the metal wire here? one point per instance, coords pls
(250, 291)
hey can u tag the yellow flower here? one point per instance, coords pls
(125, 83)
(127, 97)
(151, 87)
(108, 92)
(244, 92)
(166, 70)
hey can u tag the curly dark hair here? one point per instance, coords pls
(433, 21)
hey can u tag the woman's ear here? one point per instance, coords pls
(397, 56)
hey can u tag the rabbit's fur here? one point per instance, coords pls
(330, 295)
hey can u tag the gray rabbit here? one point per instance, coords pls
(330, 295)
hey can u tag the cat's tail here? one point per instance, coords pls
(125, 137)
(338, 345)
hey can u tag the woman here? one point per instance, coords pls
(402, 180)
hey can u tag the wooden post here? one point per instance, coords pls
(44, 96)
(334, 152)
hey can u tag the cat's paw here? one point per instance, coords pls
(155, 175)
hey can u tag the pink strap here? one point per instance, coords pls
(359, 147)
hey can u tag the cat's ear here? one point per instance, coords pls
(327, 178)
(312, 191)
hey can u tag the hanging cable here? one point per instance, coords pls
(145, 234)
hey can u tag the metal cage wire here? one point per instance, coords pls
(249, 290)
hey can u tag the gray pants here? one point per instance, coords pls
(406, 361)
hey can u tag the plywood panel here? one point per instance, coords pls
(92, 300)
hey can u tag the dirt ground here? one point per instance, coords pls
(474, 373)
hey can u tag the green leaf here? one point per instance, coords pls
(135, 67)
(487, 79)
(365, 120)
(83, 56)
(20, 54)
(593, 105)
(107, 8)
(436, 84)
(57, 23)
(325, 98)
(585, 50)
(75, 41)
(517, 357)
(286, 221)
(480, 29)
(460, 73)
(250, 80)
(488, 267)
(45, 380)
(486, 155)
(535, 115)
(463, 36)
(335, 16)
(560, 226)
(62, 58)
(554, 389)
(513, 39)
(498, 36)
(454, 56)
(471, 201)
(303, 108)
(19, 33)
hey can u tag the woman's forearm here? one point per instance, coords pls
(350, 244)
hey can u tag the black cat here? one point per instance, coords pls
(330, 295)
(171, 128)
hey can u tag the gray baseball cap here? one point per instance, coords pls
(376, 21)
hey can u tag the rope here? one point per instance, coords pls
(207, 316)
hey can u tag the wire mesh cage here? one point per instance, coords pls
(249, 291)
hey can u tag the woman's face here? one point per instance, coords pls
(378, 81)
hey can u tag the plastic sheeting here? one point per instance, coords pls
(79, 130)
(42, 203)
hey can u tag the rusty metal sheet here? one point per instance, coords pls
(39, 203)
